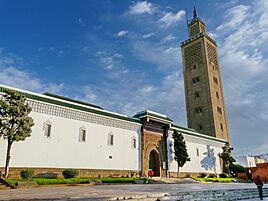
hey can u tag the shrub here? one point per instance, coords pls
(212, 176)
(27, 174)
(236, 168)
(223, 175)
(202, 175)
(70, 173)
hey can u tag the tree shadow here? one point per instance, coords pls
(170, 151)
(209, 162)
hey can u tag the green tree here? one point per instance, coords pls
(226, 157)
(236, 168)
(15, 124)
(180, 150)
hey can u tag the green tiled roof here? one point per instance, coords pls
(72, 100)
(193, 132)
(71, 104)
(152, 114)
(78, 105)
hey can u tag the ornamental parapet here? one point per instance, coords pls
(199, 35)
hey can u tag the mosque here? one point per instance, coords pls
(68, 133)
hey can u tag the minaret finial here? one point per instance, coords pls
(195, 13)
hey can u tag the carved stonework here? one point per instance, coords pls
(63, 112)
(153, 141)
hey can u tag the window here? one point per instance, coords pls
(215, 80)
(47, 129)
(133, 142)
(213, 66)
(200, 127)
(221, 127)
(196, 94)
(219, 110)
(194, 66)
(217, 95)
(195, 80)
(110, 139)
(197, 151)
(198, 110)
(82, 134)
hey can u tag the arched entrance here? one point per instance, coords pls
(154, 163)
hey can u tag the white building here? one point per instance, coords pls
(72, 134)
(245, 161)
(262, 158)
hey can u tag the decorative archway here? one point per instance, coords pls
(154, 163)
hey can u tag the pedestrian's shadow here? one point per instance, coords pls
(209, 162)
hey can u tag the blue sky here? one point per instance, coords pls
(125, 56)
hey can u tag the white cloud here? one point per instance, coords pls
(90, 95)
(243, 38)
(173, 51)
(169, 37)
(147, 89)
(109, 60)
(122, 33)
(234, 17)
(227, 4)
(164, 57)
(81, 22)
(165, 97)
(212, 35)
(60, 53)
(141, 7)
(148, 35)
(12, 75)
(85, 48)
(170, 18)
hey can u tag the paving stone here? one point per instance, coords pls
(139, 192)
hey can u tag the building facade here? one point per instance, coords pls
(245, 161)
(71, 134)
(202, 79)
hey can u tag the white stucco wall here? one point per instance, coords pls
(63, 149)
(245, 161)
(208, 160)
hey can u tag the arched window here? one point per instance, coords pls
(133, 142)
(82, 134)
(110, 139)
(194, 66)
(221, 127)
(47, 129)
(213, 66)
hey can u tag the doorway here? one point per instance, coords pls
(154, 163)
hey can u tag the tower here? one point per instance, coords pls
(202, 80)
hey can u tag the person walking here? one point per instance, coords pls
(259, 185)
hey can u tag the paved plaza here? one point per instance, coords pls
(106, 192)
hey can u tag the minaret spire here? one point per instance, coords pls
(195, 13)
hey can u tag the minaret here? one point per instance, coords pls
(202, 80)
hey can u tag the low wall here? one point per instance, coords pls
(260, 169)
(94, 173)
(183, 174)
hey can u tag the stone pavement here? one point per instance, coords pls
(106, 192)
(257, 199)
